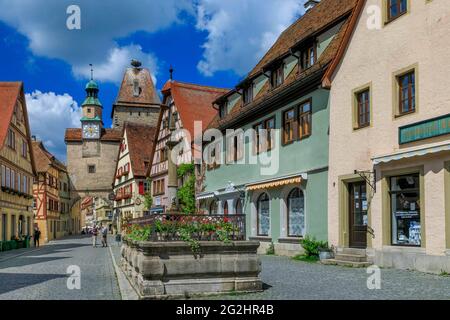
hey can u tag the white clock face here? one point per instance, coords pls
(91, 131)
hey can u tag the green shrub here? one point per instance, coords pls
(270, 250)
(313, 246)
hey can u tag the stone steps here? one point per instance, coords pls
(346, 263)
(349, 257)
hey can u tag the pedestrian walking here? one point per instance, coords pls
(104, 237)
(36, 236)
(94, 236)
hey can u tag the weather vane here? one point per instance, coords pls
(92, 71)
(171, 72)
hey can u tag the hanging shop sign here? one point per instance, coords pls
(425, 129)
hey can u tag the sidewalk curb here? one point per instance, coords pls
(126, 290)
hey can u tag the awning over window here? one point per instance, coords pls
(275, 183)
(205, 195)
(412, 153)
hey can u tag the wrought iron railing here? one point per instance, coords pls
(233, 225)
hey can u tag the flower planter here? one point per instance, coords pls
(162, 270)
(325, 255)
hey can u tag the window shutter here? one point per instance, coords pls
(141, 187)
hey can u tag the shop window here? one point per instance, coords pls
(296, 213)
(13, 226)
(4, 227)
(405, 210)
(225, 208)
(263, 215)
(238, 208)
(213, 208)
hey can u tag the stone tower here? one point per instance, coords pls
(138, 100)
(92, 150)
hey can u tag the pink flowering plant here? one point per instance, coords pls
(188, 228)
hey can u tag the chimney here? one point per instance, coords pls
(310, 4)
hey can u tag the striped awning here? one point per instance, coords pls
(275, 183)
(411, 153)
(205, 195)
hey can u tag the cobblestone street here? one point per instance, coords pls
(41, 274)
(286, 279)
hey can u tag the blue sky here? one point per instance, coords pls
(211, 42)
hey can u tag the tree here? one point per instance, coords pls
(186, 193)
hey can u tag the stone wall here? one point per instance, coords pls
(160, 270)
(148, 116)
(94, 184)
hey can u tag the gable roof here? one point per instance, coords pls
(44, 159)
(294, 82)
(314, 21)
(141, 140)
(193, 102)
(10, 92)
(107, 135)
(148, 95)
(326, 81)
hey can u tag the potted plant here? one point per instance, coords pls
(326, 252)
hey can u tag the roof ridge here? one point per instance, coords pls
(199, 86)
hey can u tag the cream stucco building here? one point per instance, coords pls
(389, 175)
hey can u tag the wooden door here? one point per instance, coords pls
(358, 208)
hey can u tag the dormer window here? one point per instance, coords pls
(277, 76)
(223, 110)
(248, 94)
(308, 57)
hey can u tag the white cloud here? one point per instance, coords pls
(239, 33)
(118, 59)
(50, 114)
(43, 22)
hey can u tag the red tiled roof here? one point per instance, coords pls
(44, 159)
(323, 15)
(316, 19)
(141, 139)
(148, 94)
(193, 102)
(108, 135)
(10, 92)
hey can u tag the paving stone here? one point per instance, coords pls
(287, 279)
(42, 274)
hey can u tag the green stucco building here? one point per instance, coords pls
(274, 166)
